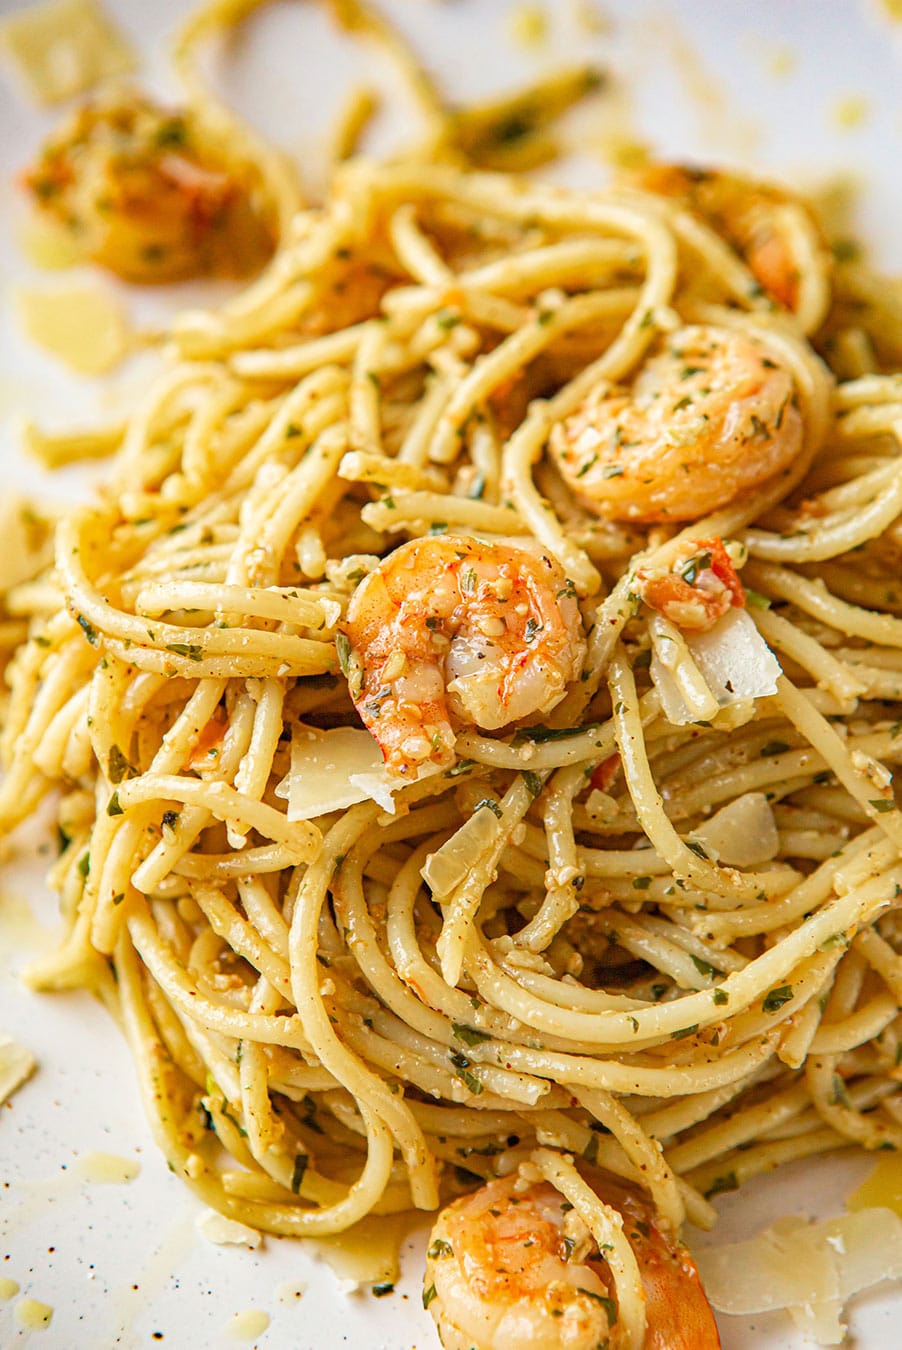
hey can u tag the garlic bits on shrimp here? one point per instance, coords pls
(513, 1267)
(711, 414)
(449, 631)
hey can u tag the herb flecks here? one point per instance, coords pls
(469, 1035)
(775, 999)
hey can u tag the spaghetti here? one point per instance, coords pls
(558, 943)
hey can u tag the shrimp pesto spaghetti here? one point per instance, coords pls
(582, 509)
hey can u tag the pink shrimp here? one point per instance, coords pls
(514, 1269)
(450, 631)
(709, 416)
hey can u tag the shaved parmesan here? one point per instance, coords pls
(450, 865)
(883, 1187)
(809, 1269)
(332, 770)
(16, 1066)
(224, 1232)
(64, 47)
(734, 661)
(741, 833)
(27, 541)
(81, 325)
(382, 785)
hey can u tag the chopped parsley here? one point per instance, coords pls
(343, 649)
(540, 734)
(776, 998)
(691, 568)
(469, 1035)
(462, 1067)
(297, 1173)
(118, 766)
(727, 1182)
(490, 804)
(462, 766)
(88, 629)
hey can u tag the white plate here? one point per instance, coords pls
(123, 1265)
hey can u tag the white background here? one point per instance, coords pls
(696, 80)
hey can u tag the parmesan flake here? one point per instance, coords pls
(16, 1066)
(80, 324)
(64, 47)
(223, 1232)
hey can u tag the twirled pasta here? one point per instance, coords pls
(597, 980)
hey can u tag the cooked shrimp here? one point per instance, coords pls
(143, 193)
(709, 416)
(514, 1269)
(701, 585)
(450, 631)
(750, 215)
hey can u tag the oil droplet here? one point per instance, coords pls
(624, 152)
(17, 920)
(107, 1169)
(369, 1253)
(707, 93)
(527, 25)
(8, 1288)
(849, 113)
(616, 138)
(781, 61)
(247, 1325)
(883, 1188)
(291, 1293)
(591, 18)
(32, 1315)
